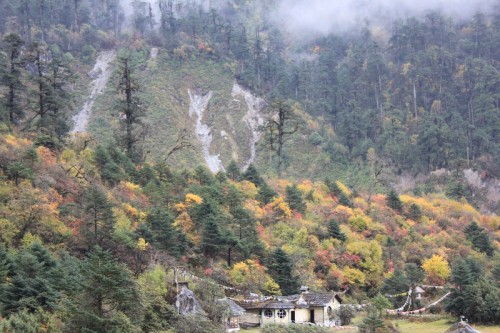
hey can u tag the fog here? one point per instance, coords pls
(324, 16)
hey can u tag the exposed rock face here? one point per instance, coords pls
(197, 107)
(187, 304)
(461, 327)
(253, 118)
(100, 76)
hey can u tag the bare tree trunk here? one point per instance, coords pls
(415, 99)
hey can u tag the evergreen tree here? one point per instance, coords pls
(295, 200)
(344, 200)
(265, 194)
(280, 124)
(132, 127)
(393, 201)
(481, 302)
(252, 175)
(396, 283)
(34, 283)
(108, 299)
(332, 187)
(162, 234)
(11, 76)
(479, 239)
(98, 217)
(334, 231)
(212, 237)
(233, 171)
(372, 323)
(414, 212)
(30, 322)
(281, 270)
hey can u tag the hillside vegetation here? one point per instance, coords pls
(372, 174)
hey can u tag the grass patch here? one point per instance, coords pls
(437, 326)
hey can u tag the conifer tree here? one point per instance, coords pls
(344, 200)
(479, 239)
(33, 284)
(295, 199)
(233, 171)
(11, 76)
(393, 201)
(98, 217)
(252, 175)
(108, 299)
(132, 127)
(334, 231)
(281, 270)
(266, 194)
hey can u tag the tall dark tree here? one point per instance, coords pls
(133, 129)
(98, 217)
(108, 298)
(281, 123)
(334, 231)
(479, 239)
(281, 270)
(11, 76)
(393, 201)
(34, 283)
(295, 199)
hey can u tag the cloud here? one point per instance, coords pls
(324, 16)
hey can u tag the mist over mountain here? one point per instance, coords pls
(326, 16)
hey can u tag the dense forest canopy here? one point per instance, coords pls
(91, 222)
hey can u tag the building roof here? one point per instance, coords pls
(303, 300)
(234, 308)
(419, 290)
(319, 299)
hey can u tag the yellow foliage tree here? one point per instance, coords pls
(437, 269)
(251, 276)
(280, 210)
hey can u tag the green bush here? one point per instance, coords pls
(293, 328)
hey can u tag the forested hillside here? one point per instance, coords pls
(216, 140)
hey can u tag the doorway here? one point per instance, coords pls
(292, 316)
(312, 317)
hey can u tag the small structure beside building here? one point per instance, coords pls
(306, 307)
(232, 322)
(418, 292)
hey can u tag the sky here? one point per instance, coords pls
(324, 16)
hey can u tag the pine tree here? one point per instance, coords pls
(372, 323)
(344, 200)
(281, 270)
(295, 200)
(98, 217)
(233, 171)
(252, 175)
(163, 234)
(479, 239)
(266, 194)
(108, 300)
(132, 127)
(332, 187)
(393, 201)
(11, 77)
(280, 124)
(414, 212)
(33, 284)
(334, 231)
(212, 237)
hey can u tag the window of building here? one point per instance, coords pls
(329, 310)
(268, 313)
(281, 313)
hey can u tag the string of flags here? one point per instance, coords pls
(418, 311)
(396, 295)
